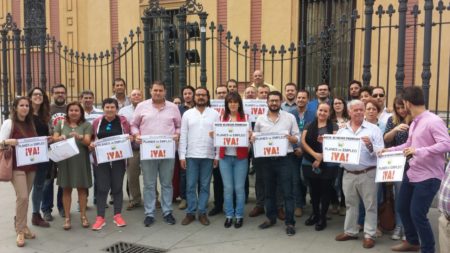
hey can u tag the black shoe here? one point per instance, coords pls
(214, 211)
(169, 219)
(321, 224)
(228, 222)
(149, 221)
(266, 224)
(238, 223)
(290, 230)
(312, 220)
(62, 213)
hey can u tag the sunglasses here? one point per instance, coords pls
(378, 95)
(108, 127)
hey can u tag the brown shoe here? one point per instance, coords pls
(188, 219)
(405, 247)
(281, 215)
(298, 212)
(203, 219)
(257, 211)
(37, 220)
(345, 237)
(368, 243)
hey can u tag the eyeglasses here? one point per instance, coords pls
(381, 95)
(108, 127)
(37, 95)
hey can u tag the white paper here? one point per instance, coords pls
(114, 148)
(218, 105)
(231, 134)
(63, 150)
(254, 108)
(341, 149)
(390, 167)
(157, 147)
(270, 145)
(31, 151)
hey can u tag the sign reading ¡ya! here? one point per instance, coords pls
(117, 147)
(270, 145)
(231, 134)
(157, 147)
(31, 151)
(390, 167)
(341, 149)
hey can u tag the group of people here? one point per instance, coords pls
(281, 182)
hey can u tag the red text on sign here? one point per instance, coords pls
(157, 153)
(230, 141)
(31, 151)
(339, 157)
(271, 151)
(114, 155)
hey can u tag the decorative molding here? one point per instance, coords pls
(9, 25)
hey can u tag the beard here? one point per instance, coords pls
(274, 109)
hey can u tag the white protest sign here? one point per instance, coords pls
(254, 108)
(231, 134)
(341, 149)
(270, 145)
(218, 105)
(63, 150)
(390, 167)
(157, 147)
(31, 151)
(117, 147)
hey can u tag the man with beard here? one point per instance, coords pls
(120, 92)
(57, 113)
(290, 91)
(197, 154)
(354, 88)
(278, 169)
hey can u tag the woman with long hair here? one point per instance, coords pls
(396, 133)
(339, 114)
(41, 117)
(233, 165)
(109, 176)
(319, 173)
(19, 126)
(75, 172)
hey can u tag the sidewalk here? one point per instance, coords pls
(177, 238)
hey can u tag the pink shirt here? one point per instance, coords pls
(428, 135)
(149, 120)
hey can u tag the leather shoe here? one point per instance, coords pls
(266, 224)
(405, 247)
(239, 222)
(214, 211)
(257, 211)
(321, 224)
(368, 243)
(290, 230)
(188, 219)
(228, 222)
(298, 212)
(37, 220)
(281, 215)
(312, 220)
(203, 219)
(345, 237)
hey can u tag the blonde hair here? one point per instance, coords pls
(396, 118)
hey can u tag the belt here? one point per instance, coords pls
(357, 172)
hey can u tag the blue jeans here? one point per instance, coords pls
(38, 185)
(47, 198)
(150, 171)
(414, 202)
(198, 171)
(278, 170)
(234, 172)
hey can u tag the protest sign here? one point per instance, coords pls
(254, 108)
(31, 151)
(157, 147)
(390, 167)
(63, 150)
(117, 147)
(231, 134)
(270, 145)
(341, 149)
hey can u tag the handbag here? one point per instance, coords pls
(386, 212)
(6, 161)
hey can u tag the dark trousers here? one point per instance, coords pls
(414, 202)
(278, 171)
(182, 183)
(218, 189)
(47, 197)
(320, 195)
(110, 177)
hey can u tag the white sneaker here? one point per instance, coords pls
(397, 234)
(182, 204)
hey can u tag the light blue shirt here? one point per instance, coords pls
(367, 158)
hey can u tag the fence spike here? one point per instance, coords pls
(415, 11)
(380, 11)
(212, 27)
(390, 10)
(292, 48)
(237, 42)
(440, 6)
(220, 28)
(245, 46)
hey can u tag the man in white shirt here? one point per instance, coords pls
(87, 101)
(197, 154)
(359, 180)
(380, 96)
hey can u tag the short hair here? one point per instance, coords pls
(207, 95)
(86, 92)
(303, 91)
(355, 81)
(375, 103)
(222, 86)
(275, 93)
(379, 87)
(367, 89)
(59, 85)
(320, 84)
(264, 86)
(414, 95)
(119, 79)
(110, 101)
(290, 84)
(353, 102)
(232, 81)
(158, 82)
(188, 88)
